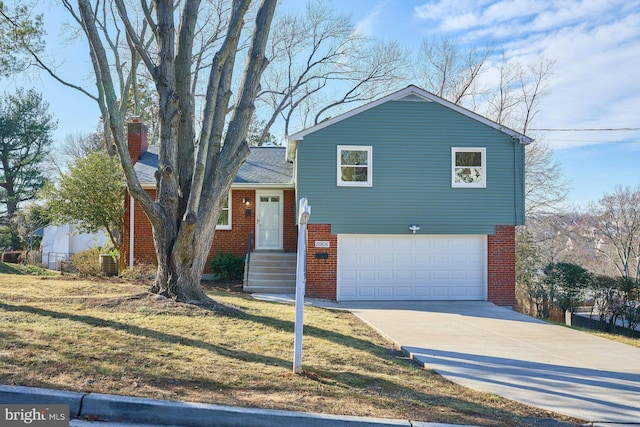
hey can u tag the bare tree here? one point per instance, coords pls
(456, 74)
(515, 101)
(196, 165)
(617, 226)
(373, 68)
(546, 190)
(450, 72)
(321, 63)
(78, 145)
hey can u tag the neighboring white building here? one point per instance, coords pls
(60, 242)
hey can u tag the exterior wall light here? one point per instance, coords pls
(414, 228)
(247, 206)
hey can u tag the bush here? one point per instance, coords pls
(567, 283)
(140, 271)
(32, 257)
(14, 257)
(87, 263)
(228, 266)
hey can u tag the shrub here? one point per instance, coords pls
(567, 283)
(87, 263)
(32, 257)
(140, 271)
(228, 266)
(14, 257)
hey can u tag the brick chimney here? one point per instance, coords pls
(136, 138)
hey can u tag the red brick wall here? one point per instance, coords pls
(144, 250)
(290, 230)
(234, 240)
(321, 273)
(501, 260)
(136, 140)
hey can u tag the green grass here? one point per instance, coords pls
(110, 337)
(635, 342)
(8, 268)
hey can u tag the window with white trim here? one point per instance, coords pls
(468, 167)
(224, 220)
(355, 166)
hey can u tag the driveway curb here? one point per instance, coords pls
(14, 395)
(124, 409)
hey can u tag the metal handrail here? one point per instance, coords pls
(248, 258)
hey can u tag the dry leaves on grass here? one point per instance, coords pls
(112, 337)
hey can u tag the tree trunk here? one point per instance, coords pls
(193, 177)
(180, 282)
(182, 255)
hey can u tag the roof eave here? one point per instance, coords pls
(416, 91)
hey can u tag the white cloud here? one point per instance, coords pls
(596, 45)
(367, 25)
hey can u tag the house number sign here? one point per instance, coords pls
(322, 244)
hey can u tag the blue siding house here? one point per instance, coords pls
(413, 198)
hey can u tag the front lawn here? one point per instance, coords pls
(109, 337)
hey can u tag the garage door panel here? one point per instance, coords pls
(457, 293)
(422, 275)
(349, 258)
(406, 267)
(385, 275)
(441, 275)
(440, 258)
(422, 258)
(385, 292)
(348, 292)
(422, 293)
(366, 292)
(368, 275)
(440, 291)
(404, 291)
(404, 275)
(366, 258)
(349, 275)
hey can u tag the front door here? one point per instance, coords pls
(269, 220)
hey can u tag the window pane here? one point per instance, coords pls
(224, 217)
(224, 214)
(468, 175)
(353, 158)
(469, 158)
(354, 174)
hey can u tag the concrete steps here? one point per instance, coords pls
(271, 272)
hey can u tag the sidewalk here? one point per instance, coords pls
(123, 411)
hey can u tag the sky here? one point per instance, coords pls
(595, 82)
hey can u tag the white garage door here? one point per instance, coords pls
(411, 267)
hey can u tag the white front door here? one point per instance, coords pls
(269, 220)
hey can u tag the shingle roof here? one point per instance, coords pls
(265, 165)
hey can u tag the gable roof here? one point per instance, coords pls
(411, 93)
(265, 166)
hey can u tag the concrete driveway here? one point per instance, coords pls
(497, 350)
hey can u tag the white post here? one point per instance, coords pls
(304, 211)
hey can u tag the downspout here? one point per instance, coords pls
(519, 173)
(131, 229)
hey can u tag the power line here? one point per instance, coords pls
(585, 129)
